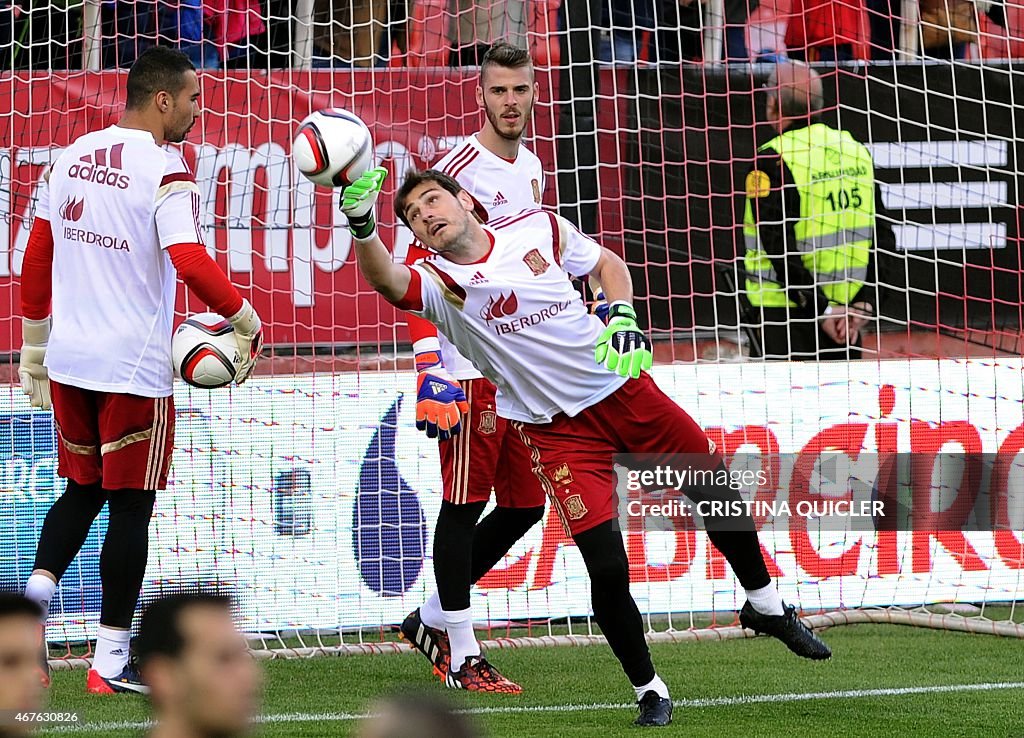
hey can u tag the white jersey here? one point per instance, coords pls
(517, 316)
(504, 188)
(115, 200)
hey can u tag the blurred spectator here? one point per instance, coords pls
(884, 27)
(827, 30)
(237, 29)
(625, 22)
(129, 27)
(476, 24)
(20, 684)
(947, 28)
(416, 716)
(40, 35)
(679, 33)
(203, 681)
(737, 15)
(280, 33)
(351, 33)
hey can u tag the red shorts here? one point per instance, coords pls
(123, 441)
(487, 455)
(574, 455)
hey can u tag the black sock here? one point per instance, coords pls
(735, 537)
(124, 554)
(743, 552)
(498, 532)
(453, 552)
(614, 607)
(67, 525)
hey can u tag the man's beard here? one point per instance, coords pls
(496, 123)
(456, 246)
(179, 136)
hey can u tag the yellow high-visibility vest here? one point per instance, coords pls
(835, 177)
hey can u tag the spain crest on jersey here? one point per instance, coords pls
(574, 507)
(537, 263)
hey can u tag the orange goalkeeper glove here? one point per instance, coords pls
(440, 404)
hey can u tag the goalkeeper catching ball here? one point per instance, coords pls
(575, 390)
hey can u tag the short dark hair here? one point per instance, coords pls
(15, 605)
(160, 628)
(157, 68)
(504, 54)
(416, 177)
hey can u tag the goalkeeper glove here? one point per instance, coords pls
(249, 337)
(35, 381)
(358, 202)
(440, 403)
(622, 346)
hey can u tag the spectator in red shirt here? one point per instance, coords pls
(827, 30)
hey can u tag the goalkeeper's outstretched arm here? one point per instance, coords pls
(358, 202)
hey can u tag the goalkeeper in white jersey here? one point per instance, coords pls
(455, 403)
(575, 389)
(118, 218)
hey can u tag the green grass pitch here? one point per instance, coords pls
(883, 680)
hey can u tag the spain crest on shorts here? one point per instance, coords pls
(537, 263)
(488, 422)
(574, 507)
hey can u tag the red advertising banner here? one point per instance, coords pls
(278, 236)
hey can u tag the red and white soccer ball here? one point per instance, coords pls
(205, 352)
(333, 148)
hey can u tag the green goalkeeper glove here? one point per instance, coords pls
(358, 202)
(622, 347)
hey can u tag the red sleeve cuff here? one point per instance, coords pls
(413, 298)
(420, 328)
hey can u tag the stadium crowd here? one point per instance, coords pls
(365, 33)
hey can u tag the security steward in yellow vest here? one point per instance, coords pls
(810, 228)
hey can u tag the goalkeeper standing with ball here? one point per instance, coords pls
(456, 404)
(574, 390)
(117, 215)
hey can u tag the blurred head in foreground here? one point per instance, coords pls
(20, 686)
(203, 681)
(416, 716)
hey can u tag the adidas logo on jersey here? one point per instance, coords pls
(478, 278)
(499, 199)
(102, 167)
